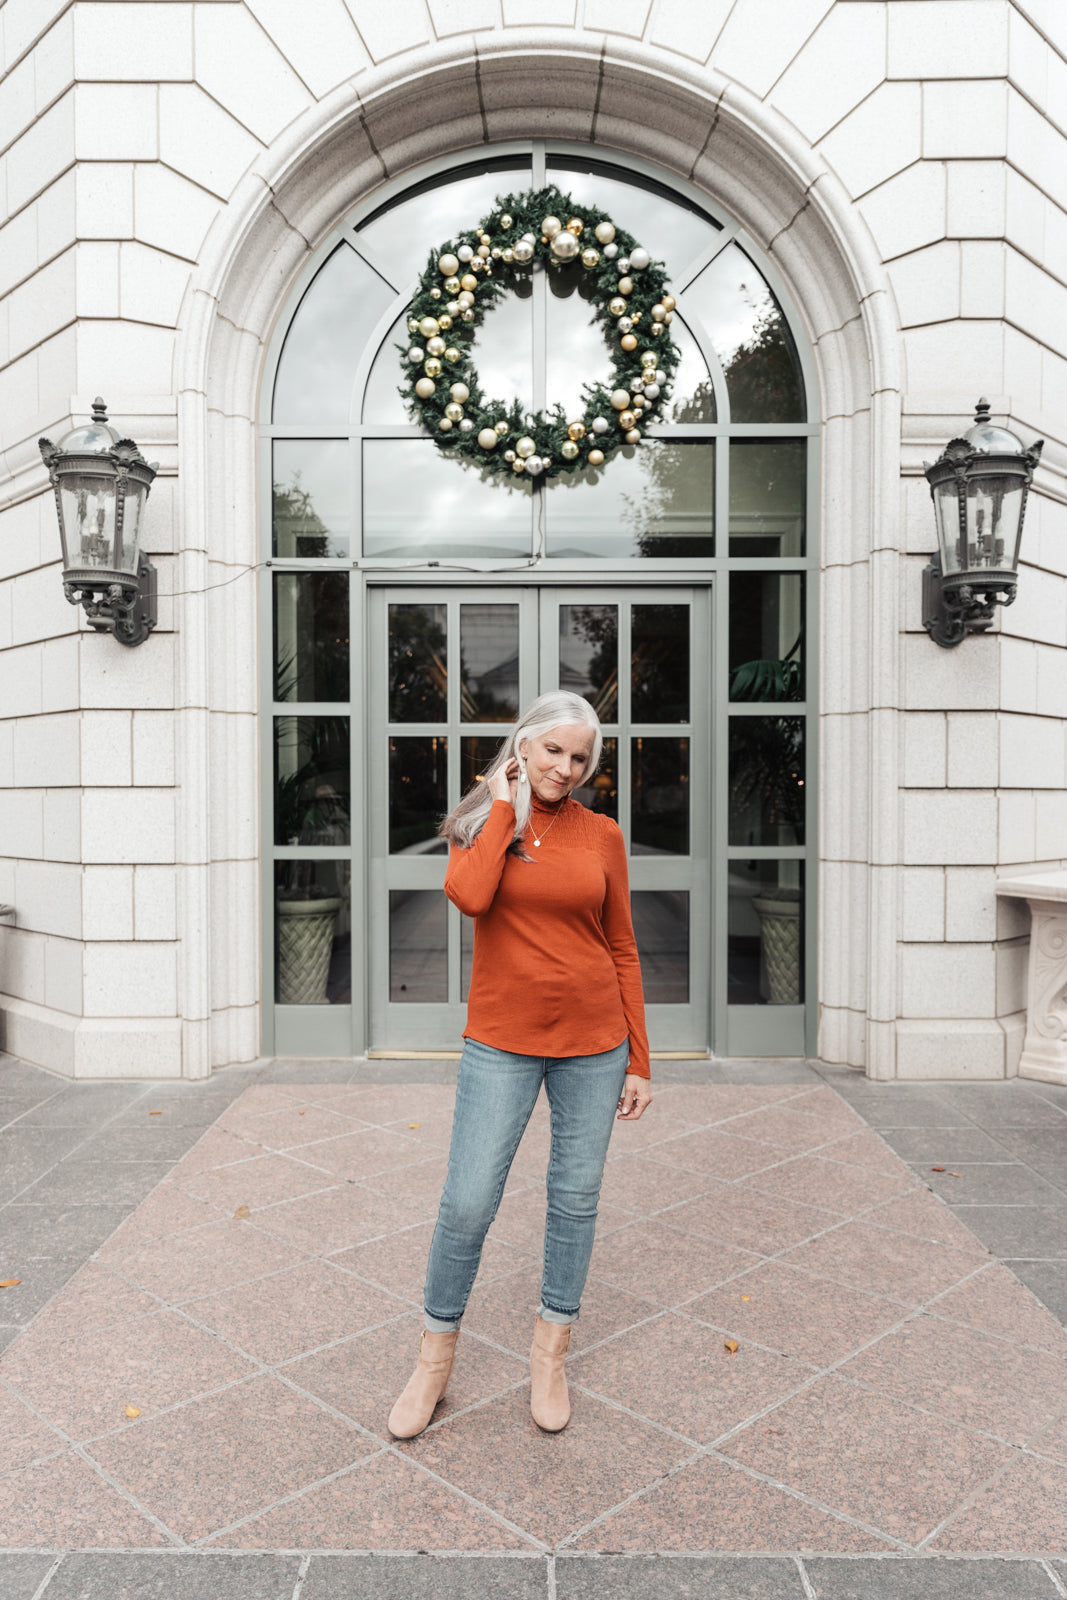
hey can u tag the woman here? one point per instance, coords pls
(556, 996)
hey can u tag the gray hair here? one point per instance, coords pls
(557, 709)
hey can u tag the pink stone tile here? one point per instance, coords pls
(1024, 1512)
(663, 1265)
(419, 1184)
(300, 1309)
(806, 1317)
(885, 1262)
(678, 1373)
(202, 1261)
(263, 1097)
(24, 1437)
(94, 1298)
(63, 1503)
(360, 1156)
(382, 1504)
(291, 1128)
(656, 1127)
(750, 1220)
(865, 1149)
(550, 1485)
(347, 1215)
(1052, 1441)
(720, 1155)
(83, 1385)
(215, 1148)
(362, 1377)
(923, 1214)
(969, 1377)
(869, 1457)
(830, 1107)
(711, 1505)
(165, 1211)
(702, 1104)
(257, 1183)
(503, 1311)
(398, 1262)
(385, 1104)
(640, 1186)
(207, 1464)
(995, 1300)
(789, 1128)
(832, 1184)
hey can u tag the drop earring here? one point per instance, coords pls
(522, 770)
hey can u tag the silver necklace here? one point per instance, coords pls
(533, 830)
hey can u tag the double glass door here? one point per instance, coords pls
(450, 672)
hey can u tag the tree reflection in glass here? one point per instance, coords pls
(418, 675)
(489, 663)
(659, 663)
(418, 794)
(751, 338)
(589, 656)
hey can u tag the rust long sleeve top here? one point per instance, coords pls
(556, 970)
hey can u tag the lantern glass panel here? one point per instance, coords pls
(947, 510)
(87, 502)
(129, 544)
(994, 506)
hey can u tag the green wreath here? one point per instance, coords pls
(460, 286)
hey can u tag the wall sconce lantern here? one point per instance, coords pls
(979, 488)
(101, 484)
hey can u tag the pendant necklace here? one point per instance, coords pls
(555, 814)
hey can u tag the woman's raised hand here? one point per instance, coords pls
(505, 781)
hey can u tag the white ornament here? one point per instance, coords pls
(611, 251)
(415, 354)
(525, 446)
(550, 227)
(652, 390)
(523, 251)
(448, 266)
(466, 425)
(534, 466)
(424, 388)
(634, 436)
(487, 439)
(565, 246)
(436, 346)
(460, 392)
(639, 259)
(465, 253)
(620, 399)
(605, 232)
(454, 308)
(599, 425)
(529, 238)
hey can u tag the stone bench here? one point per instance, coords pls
(1045, 1047)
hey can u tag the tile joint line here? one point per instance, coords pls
(805, 1581)
(49, 1575)
(305, 1562)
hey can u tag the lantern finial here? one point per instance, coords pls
(99, 410)
(981, 410)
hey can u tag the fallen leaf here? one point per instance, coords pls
(746, 1297)
(937, 1169)
(9, 1283)
(132, 1411)
(155, 1113)
(955, 1174)
(732, 1345)
(241, 1213)
(414, 1124)
(304, 1112)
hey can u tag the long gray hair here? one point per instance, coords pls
(557, 709)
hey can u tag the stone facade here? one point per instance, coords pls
(166, 171)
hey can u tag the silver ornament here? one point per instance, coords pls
(624, 264)
(534, 466)
(466, 425)
(624, 324)
(652, 390)
(565, 246)
(523, 251)
(661, 377)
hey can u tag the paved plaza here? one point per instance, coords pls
(822, 1350)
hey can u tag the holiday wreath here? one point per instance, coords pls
(461, 284)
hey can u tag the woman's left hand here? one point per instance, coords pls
(635, 1098)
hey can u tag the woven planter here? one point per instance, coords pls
(305, 943)
(779, 914)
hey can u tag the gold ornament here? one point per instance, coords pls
(483, 250)
(435, 293)
(453, 411)
(452, 285)
(569, 450)
(496, 252)
(506, 219)
(465, 300)
(576, 430)
(428, 327)
(590, 259)
(669, 317)
(617, 306)
(627, 420)
(550, 227)
(424, 388)
(634, 436)
(507, 254)
(444, 322)
(628, 341)
(501, 428)
(669, 302)
(656, 329)
(447, 265)
(467, 316)
(468, 283)
(648, 358)
(626, 286)
(518, 466)
(658, 313)
(509, 455)
(445, 425)
(525, 446)
(413, 324)
(596, 458)
(432, 368)
(620, 399)
(605, 232)
(576, 226)
(452, 355)
(460, 392)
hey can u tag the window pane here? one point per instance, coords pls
(661, 928)
(766, 780)
(418, 946)
(418, 663)
(502, 350)
(750, 336)
(765, 939)
(311, 780)
(672, 230)
(576, 351)
(418, 795)
(311, 498)
(692, 396)
(433, 212)
(312, 933)
(768, 480)
(657, 499)
(766, 636)
(659, 817)
(382, 401)
(475, 754)
(601, 793)
(489, 656)
(589, 656)
(659, 663)
(417, 502)
(311, 636)
(326, 339)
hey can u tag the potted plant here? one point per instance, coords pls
(309, 811)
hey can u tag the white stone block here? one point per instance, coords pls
(128, 1048)
(97, 279)
(20, 684)
(18, 107)
(103, 198)
(1016, 840)
(843, 754)
(1022, 362)
(43, 304)
(128, 825)
(1036, 145)
(1028, 59)
(1050, 822)
(950, 680)
(56, 211)
(53, 61)
(236, 973)
(1018, 674)
(973, 750)
(676, 26)
(126, 39)
(237, 65)
(47, 898)
(1053, 383)
(926, 284)
(46, 751)
(841, 64)
(141, 679)
(235, 826)
(22, 823)
(983, 264)
(1014, 1038)
(153, 748)
(18, 249)
(1011, 976)
(5, 619)
(1040, 609)
(1036, 302)
(116, 122)
(106, 759)
(155, 899)
(970, 903)
(880, 138)
(922, 904)
(22, 964)
(59, 673)
(169, 211)
(7, 763)
(971, 1051)
(1031, 753)
(965, 119)
(948, 39)
(1026, 214)
(200, 140)
(976, 199)
(107, 903)
(949, 827)
(947, 980)
(152, 285)
(62, 824)
(21, 546)
(44, 1038)
(56, 371)
(908, 211)
(760, 39)
(924, 735)
(130, 980)
(321, 44)
(972, 351)
(63, 975)
(117, 356)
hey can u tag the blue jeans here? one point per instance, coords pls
(495, 1097)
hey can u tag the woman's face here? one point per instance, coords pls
(556, 760)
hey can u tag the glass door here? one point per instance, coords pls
(450, 670)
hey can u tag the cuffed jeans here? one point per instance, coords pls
(495, 1097)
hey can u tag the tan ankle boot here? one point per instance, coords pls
(426, 1386)
(549, 1402)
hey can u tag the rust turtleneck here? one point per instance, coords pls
(555, 971)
